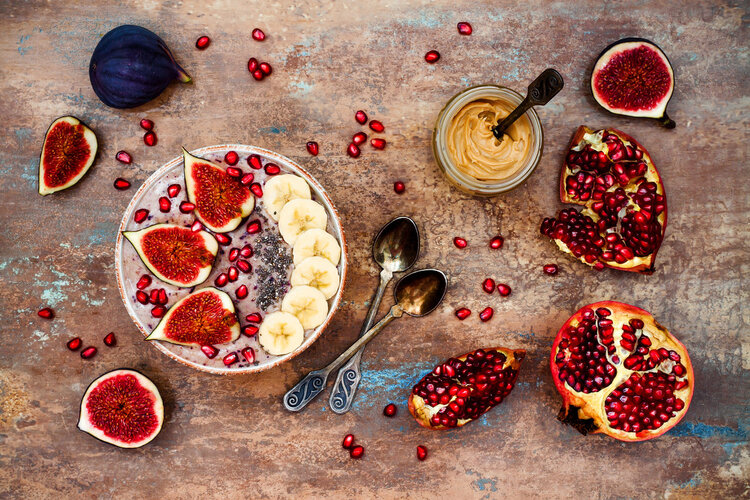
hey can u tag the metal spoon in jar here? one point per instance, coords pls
(540, 92)
(417, 294)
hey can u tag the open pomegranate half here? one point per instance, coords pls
(620, 373)
(465, 387)
(624, 217)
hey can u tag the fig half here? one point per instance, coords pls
(633, 77)
(123, 408)
(175, 254)
(68, 152)
(220, 201)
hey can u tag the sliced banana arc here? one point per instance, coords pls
(280, 333)
(299, 216)
(308, 304)
(319, 273)
(316, 243)
(281, 189)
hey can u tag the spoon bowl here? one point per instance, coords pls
(396, 246)
(420, 292)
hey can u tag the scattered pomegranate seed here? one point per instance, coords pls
(462, 313)
(464, 28)
(154, 296)
(390, 410)
(377, 126)
(247, 179)
(250, 330)
(252, 65)
(488, 285)
(421, 452)
(110, 340)
(163, 297)
(164, 204)
(258, 35)
(89, 352)
(74, 344)
(46, 313)
(378, 143)
(432, 56)
(246, 251)
(234, 254)
(249, 354)
(147, 124)
(265, 68)
(352, 150)
(272, 169)
(158, 311)
(254, 318)
(244, 266)
(312, 148)
(210, 351)
(233, 274)
(241, 292)
(459, 242)
(223, 239)
(143, 282)
(149, 138)
(121, 184)
(359, 138)
(496, 243)
(550, 269)
(348, 441)
(357, 452)
(503, 289)
(186, 207)
(124, 157)
(231, 158)
(486, 314)
(361, 117)
(221, 280)
(197, 226)
(253, 226)
(173, 190)
(234, 172)
(258, 75)
(141, 297)
(256, 189)
(254, 162)
(202, 43)
(399, 187)
(140, 215)
(230, 359)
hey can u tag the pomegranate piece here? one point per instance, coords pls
(252, 65)
(241, 292)
(121, 184)
(272, 169)
(234, 254)
(390, 410)
(141, 297)
(496, 243)
(162, 298)
(230, 359)
(158, 311)
(74, 344)
(201, 43)
(463, 313)
(234, 172)
(246, 251)
(231, 158)
(361, 117)
(256, 190)
(399, 187)
(486, 314)
(377, 126)
(164, 204)
(378, 143)
(258, 35)
(250, 330)
(465, 387)
(247, 179)
(110, 340)
(432, 56)
(254, 318)
(46, 313)
(618, 373)
(421, 453)
(258, 74)
(352, 150)
(89, 352)
(143, 282)
(173, 190)
(249, 354)
(196, 226)
(488, 285)
(312, 148)
(124, 157)
(149, 138)
(265, 68)
(464, 28)
(140, 215)
(255, 162)
(154, 296)
(348, 441)
(550, 269)
(186, 207)
(459, 242)
(210, 351)
(223, 239)
(233, 274)
(147, 124)
(359, 138)
(244, 266)
(503, 289)
(357, 452)
(253, 226)
(221, 280)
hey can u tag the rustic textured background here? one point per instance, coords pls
(231, 437)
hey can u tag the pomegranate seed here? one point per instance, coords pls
(121, 184)
(233, 274)
(357, 452)
(74, 344)
(143, 282)
(202, 43)
(265, 68)
(503, 289)
(230, 359)
(249, 354)
(247, 179)
(390, 410)
(149, 138)
(247, 251)
(140, 215)
(154, 296)
(258, 35)
(254, 318)
(254, 162)
(496, 243)
(432, 56)
(312, 148)
(173, 190)
(421, 452)
(234, 254)
(272, 169)
(231, 158)
(124, 157)
(221, 280)
(399, 187)
(158, 311)
(252, 65)
(352, 150)
(110, 340)
(378, 143)
(463, 313)
(464, 28)
(258, 75)
(489, 285)
(253, 226)
(550, 269)
(89, 352)
(186, 207)
(377, 126)
(210, 351)
(486, 314)
(348, 441)
(164, 204)
(223, 239)
(197, 226)
(250, 330)
(256, 189)
(459, 242)
(234, 172)
(147, 124)
(359, 138)
(241, 292)
(361, 117)
(141, 297)
(244, 266)
(46, 313)
(162, 297)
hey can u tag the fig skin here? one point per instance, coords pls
(88, 136)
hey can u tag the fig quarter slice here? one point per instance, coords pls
(68, 152)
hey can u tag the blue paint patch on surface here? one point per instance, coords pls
(22, 48)
(481, 483)
(425, 21)
(22, 135)
(705, 431)
(692, 483)
(398, 380)
(103, 232)
(301, 88)
(31, 172)
(273, 130)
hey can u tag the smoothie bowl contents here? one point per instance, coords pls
(244, 272)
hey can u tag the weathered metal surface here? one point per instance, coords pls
(231, 437)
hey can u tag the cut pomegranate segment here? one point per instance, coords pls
(624, 217)
(432, 56)
(312, 148)
(202, 43)
(620, 373)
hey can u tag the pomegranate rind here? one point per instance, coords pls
(422, 411)
(209, 243)
(49, 172)
(163, 330)
(590, 417)
(658, 108)
(242, 209)
(152, 406)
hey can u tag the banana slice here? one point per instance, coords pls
(316, 243)
(319, 273)
(298, 216)
(281, 189)
(308, 304)
(280, 333)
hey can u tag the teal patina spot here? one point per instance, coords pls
(272, 130)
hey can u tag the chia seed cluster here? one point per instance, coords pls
(273, 271)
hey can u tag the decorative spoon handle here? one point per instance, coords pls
(347, 380)
(541, 91)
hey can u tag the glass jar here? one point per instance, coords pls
(444, 158)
